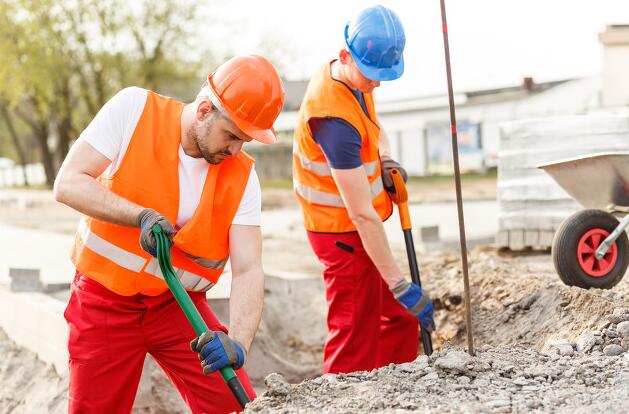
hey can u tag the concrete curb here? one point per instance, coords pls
(35, 321)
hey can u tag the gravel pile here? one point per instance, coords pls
(610, 340)
(546, 347)
(496, 380)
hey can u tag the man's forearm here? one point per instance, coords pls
(376, 244)
(245, 305)
(86, 195)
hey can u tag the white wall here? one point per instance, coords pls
(615, 40)
(406, 125)
(616, 75)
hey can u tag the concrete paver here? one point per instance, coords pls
(36, 249)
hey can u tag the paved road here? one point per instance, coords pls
(481, 221)
(49, 251)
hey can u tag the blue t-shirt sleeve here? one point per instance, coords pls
(339, 141)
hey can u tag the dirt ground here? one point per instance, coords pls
(520, 309)
(540, 346)
(523, 318)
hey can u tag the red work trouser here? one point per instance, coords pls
(367, 327)
(108, 341)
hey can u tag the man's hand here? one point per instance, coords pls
(417, 302)
(217, 350)
(146, 219)
(387, 165)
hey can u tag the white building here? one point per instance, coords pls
(419, 128)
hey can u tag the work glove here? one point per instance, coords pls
(416, 302)
(217, 350)
(145, 221)
(387, 165)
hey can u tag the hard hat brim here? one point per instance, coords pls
(380, 74)
(265, 136)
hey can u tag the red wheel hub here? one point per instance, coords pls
(586, 248)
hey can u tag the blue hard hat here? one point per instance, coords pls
(375, 39)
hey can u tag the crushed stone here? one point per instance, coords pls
(496, 379)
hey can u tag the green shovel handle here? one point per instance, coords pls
(191, 312)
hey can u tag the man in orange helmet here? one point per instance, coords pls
(341, 169)
(147, 159)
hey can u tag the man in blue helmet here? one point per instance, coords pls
(341, 168)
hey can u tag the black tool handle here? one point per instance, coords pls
(412, 261)
(238, 390)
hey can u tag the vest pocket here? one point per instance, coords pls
(344, 246)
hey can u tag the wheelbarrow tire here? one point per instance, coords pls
(565, 248)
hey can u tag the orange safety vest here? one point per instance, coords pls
(148, 176)
(322, 206)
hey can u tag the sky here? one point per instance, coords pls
(493, 43)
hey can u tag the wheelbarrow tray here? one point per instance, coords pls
(595, 181)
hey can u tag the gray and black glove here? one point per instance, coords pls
(217, 350)
(387, 165)
(145, 221)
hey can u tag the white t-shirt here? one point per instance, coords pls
(110, 133)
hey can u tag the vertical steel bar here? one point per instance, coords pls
(457, 180)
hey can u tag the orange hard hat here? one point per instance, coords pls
(250, 92)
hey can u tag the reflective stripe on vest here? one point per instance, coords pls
(189, 280)
(135, 263)
(333, 200)
(323, 169)
(97, 244)
(216, 264)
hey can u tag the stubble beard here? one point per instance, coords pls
(205, 129)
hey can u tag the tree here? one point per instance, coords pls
(66, 58)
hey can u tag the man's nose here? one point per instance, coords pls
(235, 147)
(375, 84)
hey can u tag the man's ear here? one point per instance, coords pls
(203, 109)
(345, 57)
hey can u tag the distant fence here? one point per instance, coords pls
(272, 161)
(14, 175)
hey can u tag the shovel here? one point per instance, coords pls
(401, 199)
(191, 312)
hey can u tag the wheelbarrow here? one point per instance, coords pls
(590, 248)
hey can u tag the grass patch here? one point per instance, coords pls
(287, 183)
(29, 187)
(491, 174)
(282, 183)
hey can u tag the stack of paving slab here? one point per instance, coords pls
(531, 205)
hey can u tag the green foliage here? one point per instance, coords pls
(62, 60)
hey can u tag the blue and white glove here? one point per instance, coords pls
(416, 301)
(217, 350)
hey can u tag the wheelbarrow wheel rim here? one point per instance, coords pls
(586, 248)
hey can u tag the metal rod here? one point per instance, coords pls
(457, 181)
(607, 243)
